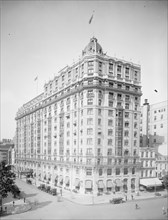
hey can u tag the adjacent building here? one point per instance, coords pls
(82, 132)
(7, 151)
(153, 135)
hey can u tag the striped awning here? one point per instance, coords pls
(66, 180)
(88, 184)
(100, 184)
(60, 179)
(118, 182)
(150, 182)
(109, 184)
(77, 182)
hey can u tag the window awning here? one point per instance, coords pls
(100, 184)
(88, 184)
(109, 184)
(77, 182)
(118, 182)
(66, 180)
(60, 179)
(150, 182)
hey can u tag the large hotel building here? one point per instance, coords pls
(82, 132)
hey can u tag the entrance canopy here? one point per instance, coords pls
(150, 182)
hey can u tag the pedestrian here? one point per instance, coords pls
(136, 206)
(13, 203)
(132, 197)
(125, 197)
(24, 200)
(61, 192)
(163, 210)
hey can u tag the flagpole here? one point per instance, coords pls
(36, 79)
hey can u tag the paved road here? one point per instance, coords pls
(50, 208)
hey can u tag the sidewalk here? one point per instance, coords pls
(105, 199)
(90, 199)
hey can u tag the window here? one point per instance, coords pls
(99, 141)
(89, 121)
(109, 161)
(99, 102)
(126, 142)
(99, 121)
(154, 126)
(127, 88)
(110, 132)
(126, 133)
(161, 125)
(117, 171)
(89, 172)
(109, 142)
(119, 68)
(89, 131)
(90, 63)
(90, 111)
(110, 112)
(100, 172)
(109, 172)
(109, 152)
(161, 117)
(89, 151)
(125, 171)
(110, 103)
(110, 66)
(90, 72)
(99, 111)
(127, 98)
(89, 141)
(90, 101)
(110, 122)
(126, 106)
(90, 82)
(127, 124)
(126, 114)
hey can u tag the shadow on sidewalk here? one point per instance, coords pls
(24, 195)
(39, 205)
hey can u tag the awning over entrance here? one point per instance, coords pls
(77, 182)
(88, 184)
(109, 184)
(100, 184)
(150, 182)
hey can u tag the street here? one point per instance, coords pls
(50, 208)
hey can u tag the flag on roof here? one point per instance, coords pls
(36, 78)
(90, 20)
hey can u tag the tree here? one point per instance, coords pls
(7, 178)
(165, 181)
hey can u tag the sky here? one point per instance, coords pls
(39, 38)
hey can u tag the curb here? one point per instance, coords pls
(106, 203)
